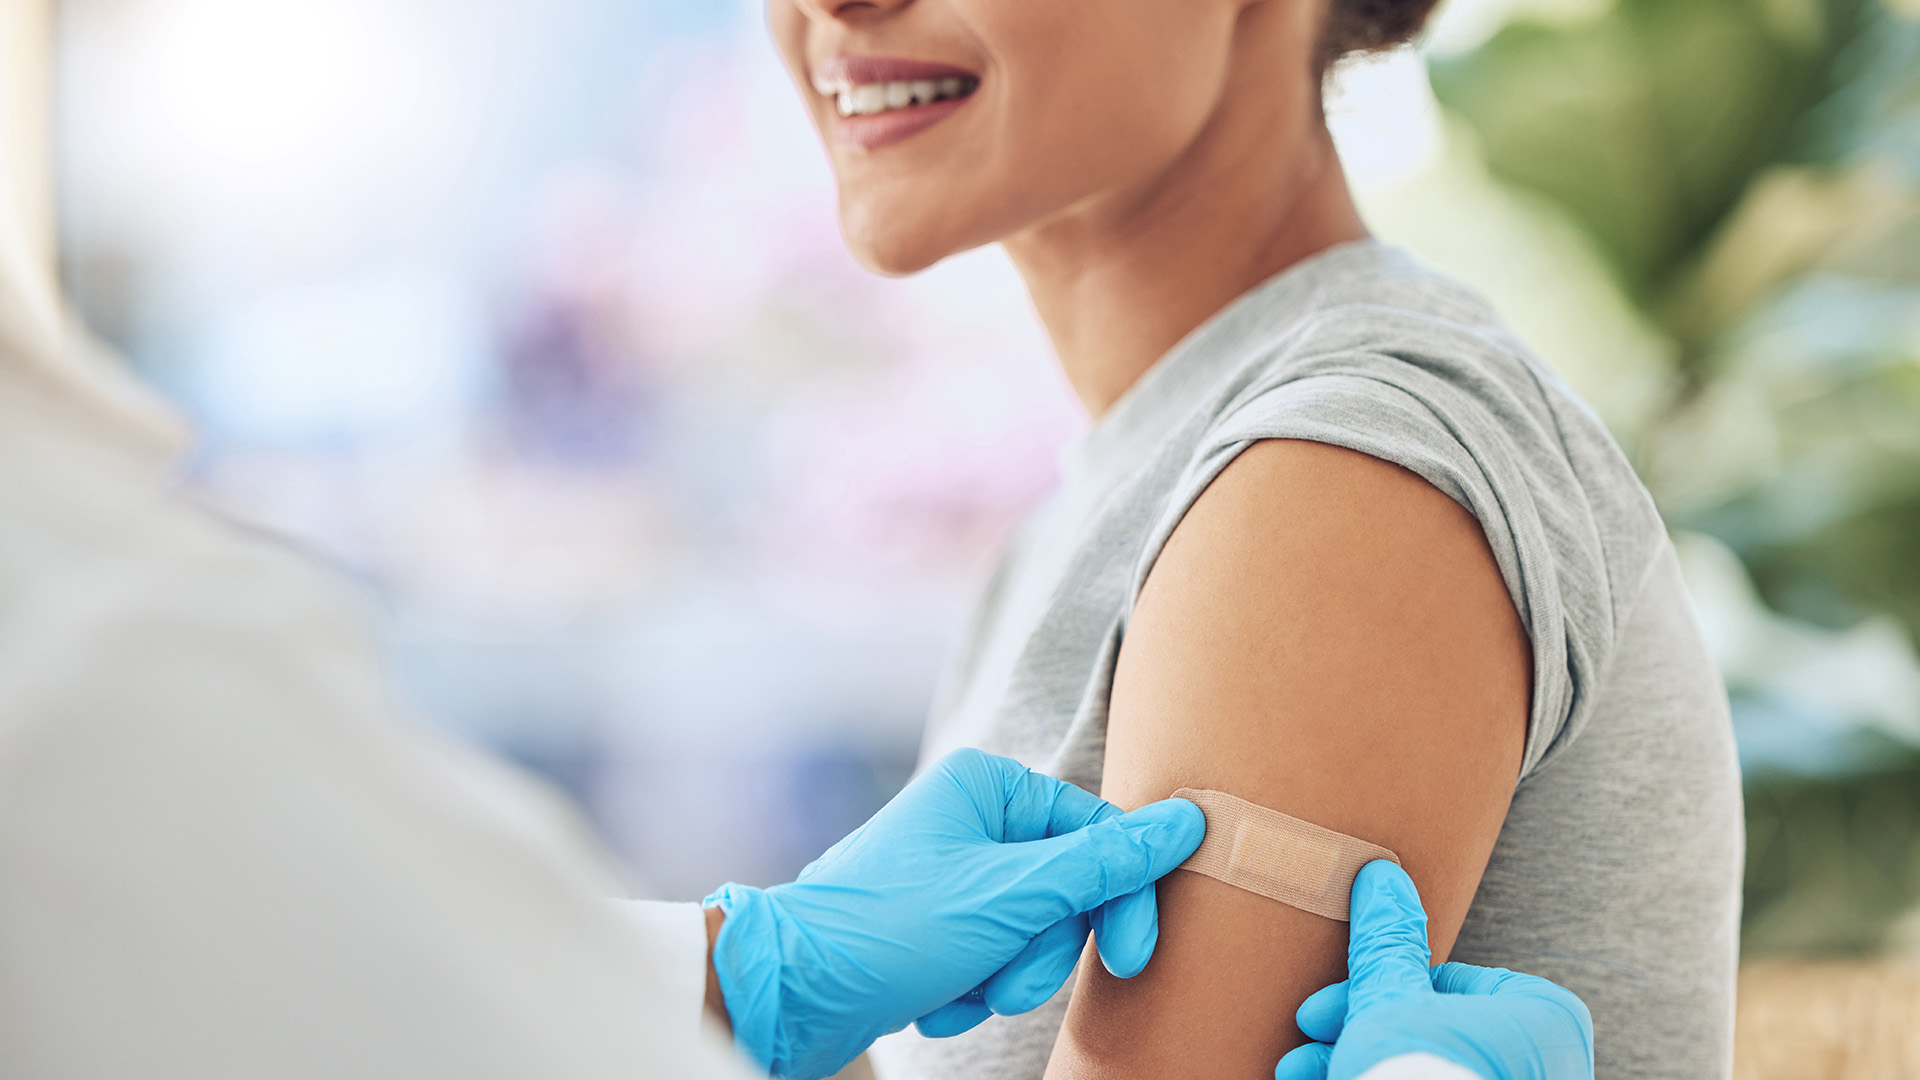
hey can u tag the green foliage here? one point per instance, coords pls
(1749, 172)
(1835, 535)
(1833, 865)
(1649, 124)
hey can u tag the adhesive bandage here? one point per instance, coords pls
(1281, 858)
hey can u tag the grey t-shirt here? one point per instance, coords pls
(1617, 872)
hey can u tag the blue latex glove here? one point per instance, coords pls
(971, 893)
(1499, 1024)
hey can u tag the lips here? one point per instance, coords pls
(879, 101)
(838, 71)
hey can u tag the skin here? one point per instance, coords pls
(1325, 634)
(1355, 662)
(716, 1002)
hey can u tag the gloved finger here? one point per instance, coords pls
(1014, 804)
(1307, 1062)
(1322, 1016)
(1039, 806)
(1125, 931)
(1387, 950)
(956, 1017)
(1560, 1029)
(985, 781)
(1031, 978)
(1121, 855)
(1564, 1010)
(1548, 1020)
(1458, 978)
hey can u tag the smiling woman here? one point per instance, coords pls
(1337, 543)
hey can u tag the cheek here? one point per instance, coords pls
(1116, 102)
(1078, 100)
(1110, 101)
(788, 28)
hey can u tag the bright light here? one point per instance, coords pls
(287, 129)
(1381, 112)
(259, 80)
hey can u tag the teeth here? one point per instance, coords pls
(870, 99)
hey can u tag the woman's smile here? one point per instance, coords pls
(878, 101)
(1045, 112)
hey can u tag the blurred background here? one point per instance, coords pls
(532, 316)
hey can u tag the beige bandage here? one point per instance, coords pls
(1281, 858)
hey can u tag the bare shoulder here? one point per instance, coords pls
(1328, 635)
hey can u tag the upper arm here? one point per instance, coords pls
(1327, 635)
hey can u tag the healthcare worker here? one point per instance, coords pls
(224, 854)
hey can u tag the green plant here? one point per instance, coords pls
(1748, 172)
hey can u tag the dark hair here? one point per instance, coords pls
(1370, 25)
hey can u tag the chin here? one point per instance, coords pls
(892, 260)
(896, 244)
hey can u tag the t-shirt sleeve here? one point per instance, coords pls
(1495, 453)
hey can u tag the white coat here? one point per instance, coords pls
(222, 852)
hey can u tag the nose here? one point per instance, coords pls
(850, 11)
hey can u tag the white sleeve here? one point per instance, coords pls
(678, 933)
(223, 855)
(1419, 1067)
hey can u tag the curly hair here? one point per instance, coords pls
(1370, 26)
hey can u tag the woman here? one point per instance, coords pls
(1335, 543)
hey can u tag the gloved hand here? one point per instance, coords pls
(971, 893)
(1494, 1022)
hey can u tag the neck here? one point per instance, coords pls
(1121, 278)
